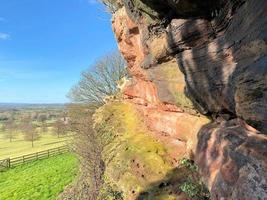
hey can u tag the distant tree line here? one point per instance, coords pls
(32, 128)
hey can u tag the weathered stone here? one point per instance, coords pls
(184, 34)
(232, 159)
(157, 92)
(227, 73)
(221, 49)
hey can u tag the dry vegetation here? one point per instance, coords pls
(90, 141)
(111, 5)
(100, 81)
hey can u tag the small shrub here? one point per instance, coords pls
(190, 188)
(195, 189)
(188, 164)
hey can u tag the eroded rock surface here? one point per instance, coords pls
(215, 54)
(232, 158)
(157, 92)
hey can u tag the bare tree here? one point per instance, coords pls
(29, 130)
(60, 127)
(3, 127)
(10, 129)
(100, 80)
(42, 119)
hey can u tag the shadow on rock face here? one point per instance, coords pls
(170, 186)
(232, 158)
(224, 62)
(223, 59)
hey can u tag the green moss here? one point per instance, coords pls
(182, 101)
(137, 165)
(134, 159)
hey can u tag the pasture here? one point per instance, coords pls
(42, 180)
(19, 146)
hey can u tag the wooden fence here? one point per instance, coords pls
(11, 162)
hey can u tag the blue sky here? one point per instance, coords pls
(45, 44)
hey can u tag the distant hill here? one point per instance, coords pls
(5, 106)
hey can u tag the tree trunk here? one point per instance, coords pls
(32, 140)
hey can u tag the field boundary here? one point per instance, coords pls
(11, 162)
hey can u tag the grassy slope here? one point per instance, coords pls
(42, 180)
(20, 147)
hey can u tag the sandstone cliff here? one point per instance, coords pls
(199, 79)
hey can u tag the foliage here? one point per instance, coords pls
(100, 82)
(42, 180)
(195, 189)
(188, 164)
(192, 186)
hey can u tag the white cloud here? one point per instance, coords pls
(4, 36)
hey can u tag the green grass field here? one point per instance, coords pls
(20, 147)
(39, 180)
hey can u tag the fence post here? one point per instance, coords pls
(48, 153)
(8, 163)
(23, 159)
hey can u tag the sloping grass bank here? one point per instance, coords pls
(42, 180)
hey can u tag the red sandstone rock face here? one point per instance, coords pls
(128, 37)
(232, 158)
(225, 68)
(169, 122)
(222, 52)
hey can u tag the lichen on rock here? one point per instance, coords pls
(136, 161)
(191, 58)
